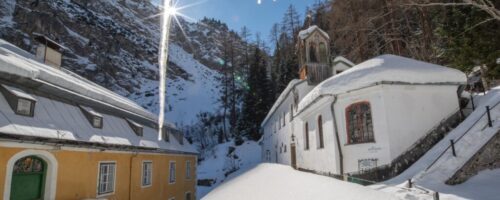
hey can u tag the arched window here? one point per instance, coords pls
(284, 119)
(322, 52)
(359, 123)
(312, 53)
(320, 143)
(306, 137)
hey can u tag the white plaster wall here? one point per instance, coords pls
(413, 110)
(401, 115)
(273, 141)
(324, 160)
(379, 149)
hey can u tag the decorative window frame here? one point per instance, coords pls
(150, 174)
(98, 193)
(170, 180)
(14, 96)
(348, 135)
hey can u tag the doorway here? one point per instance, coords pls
(28, 178)
(294, 156)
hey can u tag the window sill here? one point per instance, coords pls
(105, 194)
(146, 186)
(349, 144)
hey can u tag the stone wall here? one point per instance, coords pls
(406, 159)
(488, 157)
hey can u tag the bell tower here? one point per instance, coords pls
(314, 55)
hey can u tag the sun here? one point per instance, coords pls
(171, 10)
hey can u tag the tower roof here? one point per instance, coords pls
(308, 32)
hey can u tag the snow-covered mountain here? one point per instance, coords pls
(115, 43)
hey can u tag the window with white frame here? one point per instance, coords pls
(172, 172)
(188, 169)
(106, 178)
(147, 173)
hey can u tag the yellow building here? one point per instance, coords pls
(64, 137)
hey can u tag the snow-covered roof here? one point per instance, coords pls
(66, 121)
(306, 33)
(385, 68)
(17, 92)
(344, 60)
(57, 120)
(281, 98)
(275, 181)
(17, 62)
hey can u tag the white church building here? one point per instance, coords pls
(341, 118)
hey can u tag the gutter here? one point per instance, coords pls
(337, 137)
(6, 137)
(130, 175)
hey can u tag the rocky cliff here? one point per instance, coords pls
(115, 44)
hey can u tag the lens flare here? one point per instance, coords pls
(168, 10)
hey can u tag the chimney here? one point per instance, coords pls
(48, 51)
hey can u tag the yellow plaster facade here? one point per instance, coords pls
(77, 173)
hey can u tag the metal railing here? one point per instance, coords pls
(485, 114)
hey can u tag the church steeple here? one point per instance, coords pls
(314, 55)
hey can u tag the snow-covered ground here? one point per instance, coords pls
(485, 185)
(275, 181)
(218, 163)
(185, 98)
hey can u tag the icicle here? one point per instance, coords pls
(163, 59)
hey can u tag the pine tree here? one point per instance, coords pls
(471, 39)
(257, 98)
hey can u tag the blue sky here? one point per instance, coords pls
(239, 13)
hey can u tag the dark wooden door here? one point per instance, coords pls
(294, 156)
(28, 179)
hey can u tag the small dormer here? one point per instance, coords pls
(136, 127)
(314, 55)
(48, 51)
(21, 102)
(95, 119)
